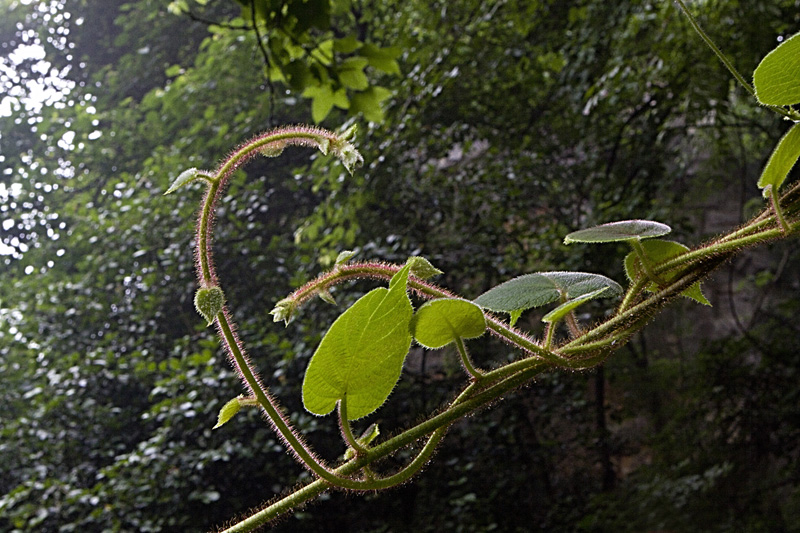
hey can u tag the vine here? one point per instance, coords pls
(360, 358)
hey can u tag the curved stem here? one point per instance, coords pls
(436, 426)
(347, 431)
(465, 360)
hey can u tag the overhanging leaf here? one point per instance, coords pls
(362, 354)
(439, 322)
(777, 77)
(782, 160)
(534, 290)
(561, 311)
(658, 251)
(619, 231)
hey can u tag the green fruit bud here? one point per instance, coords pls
(209, 302)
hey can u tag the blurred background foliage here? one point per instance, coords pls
(490, 130)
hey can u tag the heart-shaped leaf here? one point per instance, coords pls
(781, 161)
(361, 356)
(439, 322)
(658, 251)
(534, 290)
(561, 311)
(623, 230)
(777, 77)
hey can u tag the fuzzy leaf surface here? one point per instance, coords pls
(362, 354)
(777, 77)
(439, 322)
(623, 230)
(658, 251)
(534, 290)
(782, 160)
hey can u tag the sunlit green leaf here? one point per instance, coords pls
(361, 356)
(534, 290)
(345, 256)
(228, 411)
(619, 231)
(439, 322)
(658, 251)
(187, 176)
(561, 311)
(782, 160)
(422, 268)
(777, 77)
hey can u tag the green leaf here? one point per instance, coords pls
(422, 268)
(187, 176)
(361, 356)
(561, 311)
(369, 103)
(383, 59)
(209, 301)
(781, 161)
(351, 73)
(322, 100)
(777, 77)
(439, 322)
(623, 230)
(327, 297)
(347, 45)
(534, 290)
(228, 411)
(658, 251)
(345, 256)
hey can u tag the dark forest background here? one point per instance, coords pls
(490, 130)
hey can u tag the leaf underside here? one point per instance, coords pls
(439, 322)
(361, 356)
(619, 231)
(561, 311)
(658, 251)
(782, 160)
(534, 290)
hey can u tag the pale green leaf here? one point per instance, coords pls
(561, 311)
(777, 77)
(619, 231)
(422, 268)
(345, 256)
(228, 411)
(327, 297)
(361, 356)
(782, 160)
(187, 176)
(322, 101)
(658, 251)
(534, 290)
(384, 59)
(439, 322)
(369, 103)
